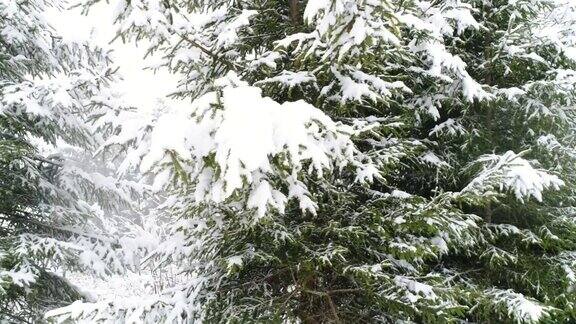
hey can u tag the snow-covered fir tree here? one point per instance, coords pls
(336, 161)
(56, 207)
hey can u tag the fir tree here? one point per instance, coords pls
(359, 161)
(55, 214)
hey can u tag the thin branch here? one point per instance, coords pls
(333, 308)
(230, 65)
(24, 220)
(41, 159)
(344, 291)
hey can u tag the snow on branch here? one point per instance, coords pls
(510, 171)
(517, 306)
(234, 138)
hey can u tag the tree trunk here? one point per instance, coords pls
(294, 11)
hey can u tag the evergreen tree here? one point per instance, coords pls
(55, 210)
(359, 161)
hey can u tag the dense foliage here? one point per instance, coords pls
(355, 161)
(55, 204)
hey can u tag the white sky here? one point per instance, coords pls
(140, 88)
